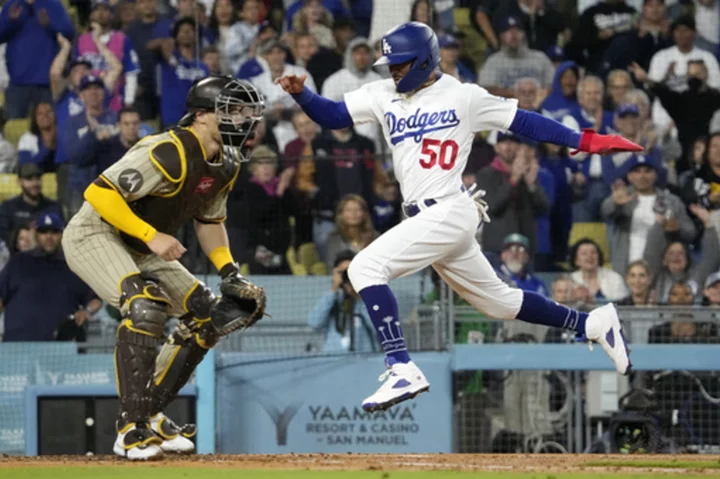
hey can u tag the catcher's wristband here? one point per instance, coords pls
(229, 269)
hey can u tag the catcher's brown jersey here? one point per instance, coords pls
(166, 181)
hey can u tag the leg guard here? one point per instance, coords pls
(144, 307)
(184, 350)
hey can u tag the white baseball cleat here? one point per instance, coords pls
(603, 327)
(137, 443)
(173, 437)
(402, 381)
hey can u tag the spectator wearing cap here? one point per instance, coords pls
(563, 94)
(179, 69)
(691, 109)
(25, 207)
(79, 132)
(598, 170)
(629, 124)
(513, 193)
(598, 27)
(515, 266)
(357, 72)
(514, 61)
(101, 152)
(449, 60)
(30, 30)
(329, 60)
(67, 100)
(279, 104)
(38, 145)
(556, 54)
(545, 26)
(121, 47)
(633, 211)
(143, 33)
(671, 66)
(40, 295)
(269, 234)
(240, 36)
(340, 314)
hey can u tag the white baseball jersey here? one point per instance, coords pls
(431, 132)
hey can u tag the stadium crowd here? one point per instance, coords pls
(89, 79)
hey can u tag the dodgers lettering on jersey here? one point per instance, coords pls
(418, 124)
(431, 132)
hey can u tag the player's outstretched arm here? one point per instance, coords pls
(324, 112)
(546, 130)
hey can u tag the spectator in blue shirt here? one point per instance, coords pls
(38, 292)
(178, 71)
(37, 146)
(515, 266)
(80, 131)
(25, 208)
(143, 34)
(30, 27)
(449, 60)
(340, 315)
(103, 153)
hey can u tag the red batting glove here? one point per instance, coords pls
(591, 142)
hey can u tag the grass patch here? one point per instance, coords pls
(664, 464)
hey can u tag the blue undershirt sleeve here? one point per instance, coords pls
(324, 112)
(544, 130)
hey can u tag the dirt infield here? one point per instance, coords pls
(390, 462)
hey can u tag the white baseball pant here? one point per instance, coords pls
(441, 235)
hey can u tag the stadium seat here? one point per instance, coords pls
(14, 129)
(295, 266)
(310, 259)
(9, 186)
(596, 232)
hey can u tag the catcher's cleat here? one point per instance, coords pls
(402, 381)
(173, 437)
(603, 327)
(138, 443)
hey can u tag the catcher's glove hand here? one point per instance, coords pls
(242, 303)
(481, 205)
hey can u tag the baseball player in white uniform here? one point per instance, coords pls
(429, 121)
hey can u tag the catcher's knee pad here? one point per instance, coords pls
(179, 357)
(144, 303)
(200, 301)
(135, 353)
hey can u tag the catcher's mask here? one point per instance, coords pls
(237, 104)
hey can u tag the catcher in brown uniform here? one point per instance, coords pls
(120, 243)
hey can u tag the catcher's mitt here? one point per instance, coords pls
(242, 303)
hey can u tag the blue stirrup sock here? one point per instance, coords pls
(383, 310)
(538, 309)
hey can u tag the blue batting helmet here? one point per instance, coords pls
(416, 42)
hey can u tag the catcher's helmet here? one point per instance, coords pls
(412, 41)
(237, 104)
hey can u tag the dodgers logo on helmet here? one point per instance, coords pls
(419, 123)
(411, 42)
